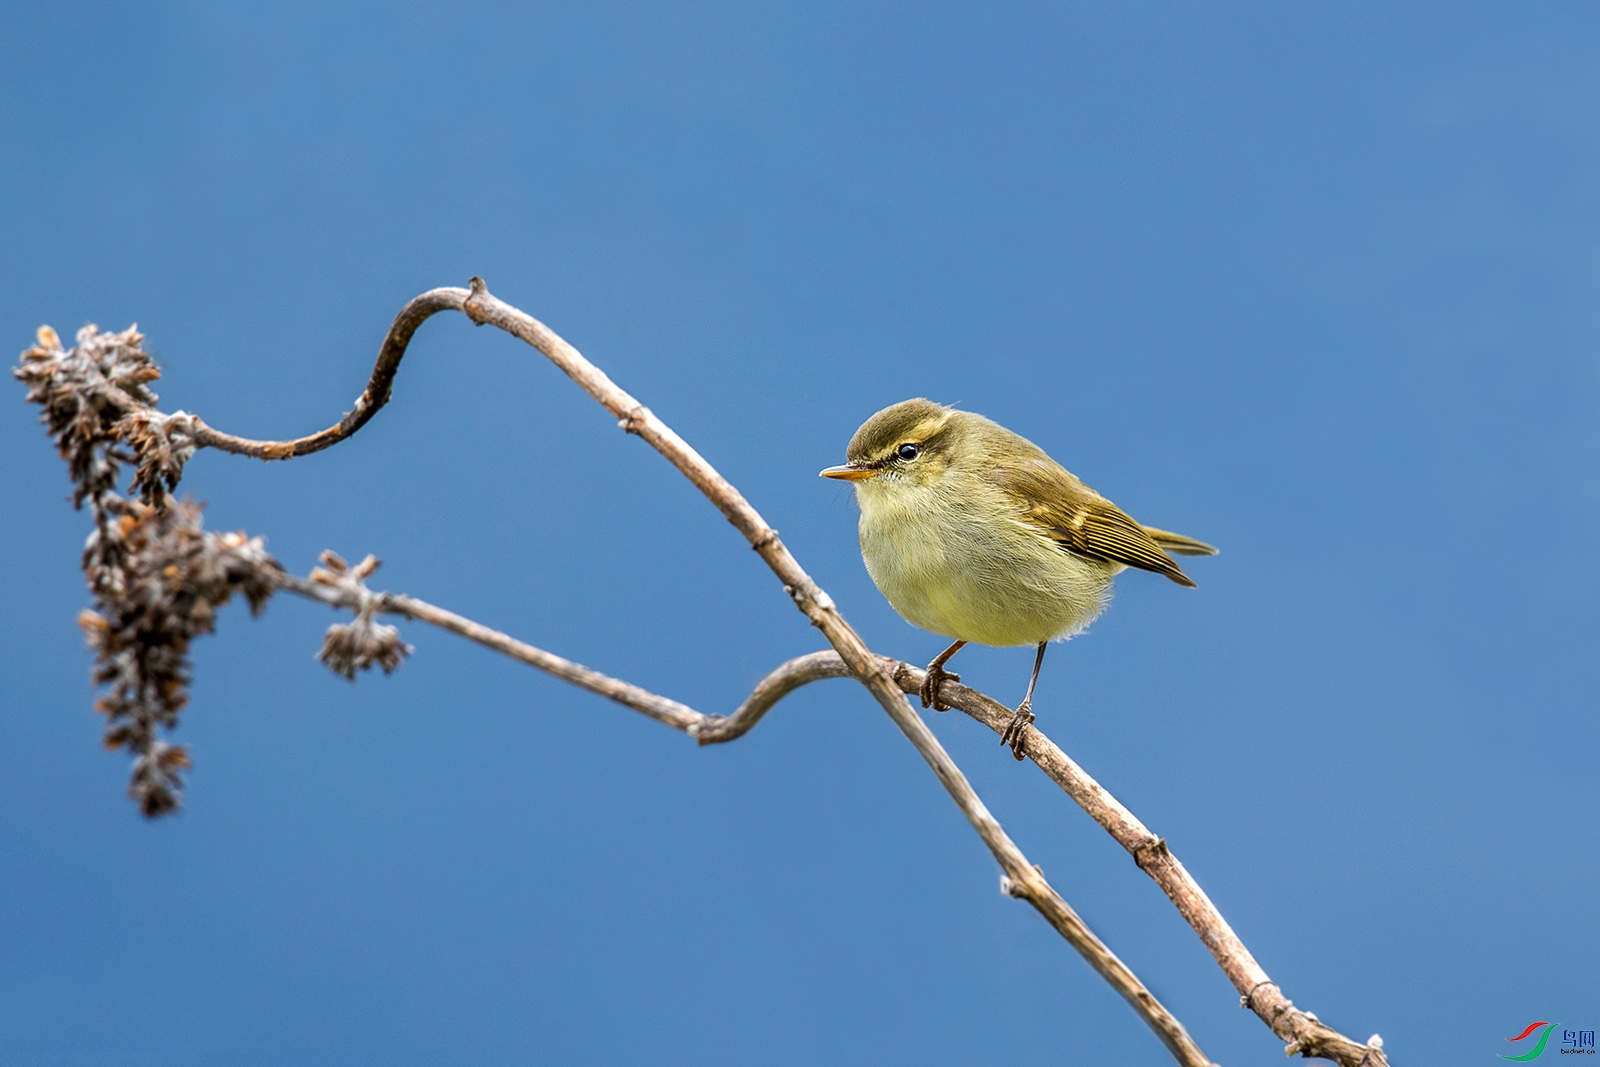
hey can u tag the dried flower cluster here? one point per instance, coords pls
(156, 574)
(85, 392)
(177, 575)
(364, 642)
(96, 395)
(163, 444)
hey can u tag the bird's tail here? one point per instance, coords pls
(1179, 544)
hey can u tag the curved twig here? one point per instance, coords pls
(779, 683)
(711, 729)
(373, 397)
(706, 729)
(885, 679)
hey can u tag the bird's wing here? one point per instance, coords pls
(1079, 519)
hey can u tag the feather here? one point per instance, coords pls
(1183, 546)
(1079, 519)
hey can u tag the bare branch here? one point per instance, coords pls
(659, 708)
(1304, 1032)
(779, 683)
(373, 397)
(1023, 879)
(1276, 1010)
(709, 729)
(94, 403)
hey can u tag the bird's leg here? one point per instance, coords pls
(1023, 717)
(936, 675)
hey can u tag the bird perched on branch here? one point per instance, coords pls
(973, 532)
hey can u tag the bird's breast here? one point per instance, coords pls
(973, 571)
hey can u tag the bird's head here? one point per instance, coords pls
(913, 442)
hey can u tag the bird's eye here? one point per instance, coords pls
(908, 452)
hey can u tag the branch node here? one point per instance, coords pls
(634, 420)
(1151, 852)
(808, 596)
(768, 538)
(1247, 1001)
(904, 674)
(1023, 889)
(473, 307)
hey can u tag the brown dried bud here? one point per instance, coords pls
(85, 392)
(156, 784)
(163, 444)
(358, 645)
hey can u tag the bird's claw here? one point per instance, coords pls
(1017, 728)
(930, 687)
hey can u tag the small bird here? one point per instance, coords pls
(973, 532)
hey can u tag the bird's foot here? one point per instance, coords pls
(930, 687)
(1017, 727)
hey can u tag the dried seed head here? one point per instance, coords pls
(173, 578)
(157, 576)
(156, 785)
(85, 392)
(163, 444)
(362, 643)
(359, 645)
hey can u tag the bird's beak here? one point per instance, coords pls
(849, 472)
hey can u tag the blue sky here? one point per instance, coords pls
(1315, 283)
